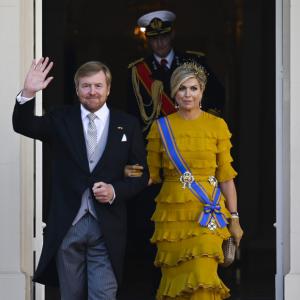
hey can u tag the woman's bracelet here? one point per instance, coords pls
(234, 215)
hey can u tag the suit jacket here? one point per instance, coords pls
(213, 98)
(62, 129)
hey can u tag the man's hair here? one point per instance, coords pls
(91, 68)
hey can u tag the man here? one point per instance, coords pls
(85, 234)
(149, 86)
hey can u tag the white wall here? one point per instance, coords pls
(16, 50)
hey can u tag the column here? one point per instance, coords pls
(16, 160)
(292, 279)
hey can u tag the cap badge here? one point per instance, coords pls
(156, 24)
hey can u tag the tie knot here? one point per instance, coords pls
(163, 62)
(92, 117)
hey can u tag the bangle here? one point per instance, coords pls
(234, 215)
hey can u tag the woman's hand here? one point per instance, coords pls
(235, 230)
(133, 170)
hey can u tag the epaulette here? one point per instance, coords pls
(198, 53)
(135, 62)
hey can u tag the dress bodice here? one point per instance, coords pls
(204, 143)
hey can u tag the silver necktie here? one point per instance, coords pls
(91, 134)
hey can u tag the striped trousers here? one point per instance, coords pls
(84, 268)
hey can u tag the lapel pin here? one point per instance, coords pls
(120, 127)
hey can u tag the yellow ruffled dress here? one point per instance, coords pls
(187, 253)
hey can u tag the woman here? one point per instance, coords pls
(188, 253)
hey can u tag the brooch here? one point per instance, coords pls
(213, 180)
(186, 179)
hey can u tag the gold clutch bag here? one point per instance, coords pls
(229, 249)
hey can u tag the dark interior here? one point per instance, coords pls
(238, 38)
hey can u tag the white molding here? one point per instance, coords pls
(26, 150)
(38, 241)
(294, 133)
(292, 279)
(282, 146)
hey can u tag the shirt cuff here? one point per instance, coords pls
(21, 99)
(114, 196)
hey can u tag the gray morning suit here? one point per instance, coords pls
(72, 176)
(92, 276)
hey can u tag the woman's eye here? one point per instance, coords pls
(181, 88)
(194, 88)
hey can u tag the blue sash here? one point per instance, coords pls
(212, 210)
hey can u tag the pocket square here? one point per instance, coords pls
(124, 138)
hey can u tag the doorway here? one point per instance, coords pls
(238, 38)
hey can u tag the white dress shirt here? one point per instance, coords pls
(22, 99)
(101, 118)
(169, 58)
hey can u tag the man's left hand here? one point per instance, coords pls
(103, 192)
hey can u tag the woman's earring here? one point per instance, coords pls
(176, 105)
(200, 105)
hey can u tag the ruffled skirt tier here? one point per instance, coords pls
(187, 253)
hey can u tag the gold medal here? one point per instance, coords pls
(212, 224)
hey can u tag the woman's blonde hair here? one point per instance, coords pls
(186, 71)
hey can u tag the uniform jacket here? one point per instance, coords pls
(62, 129)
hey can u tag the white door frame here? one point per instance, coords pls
(282, 148)
(38, 208)
(279, 153)
(282, 145)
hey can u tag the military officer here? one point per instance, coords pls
(149, 86)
